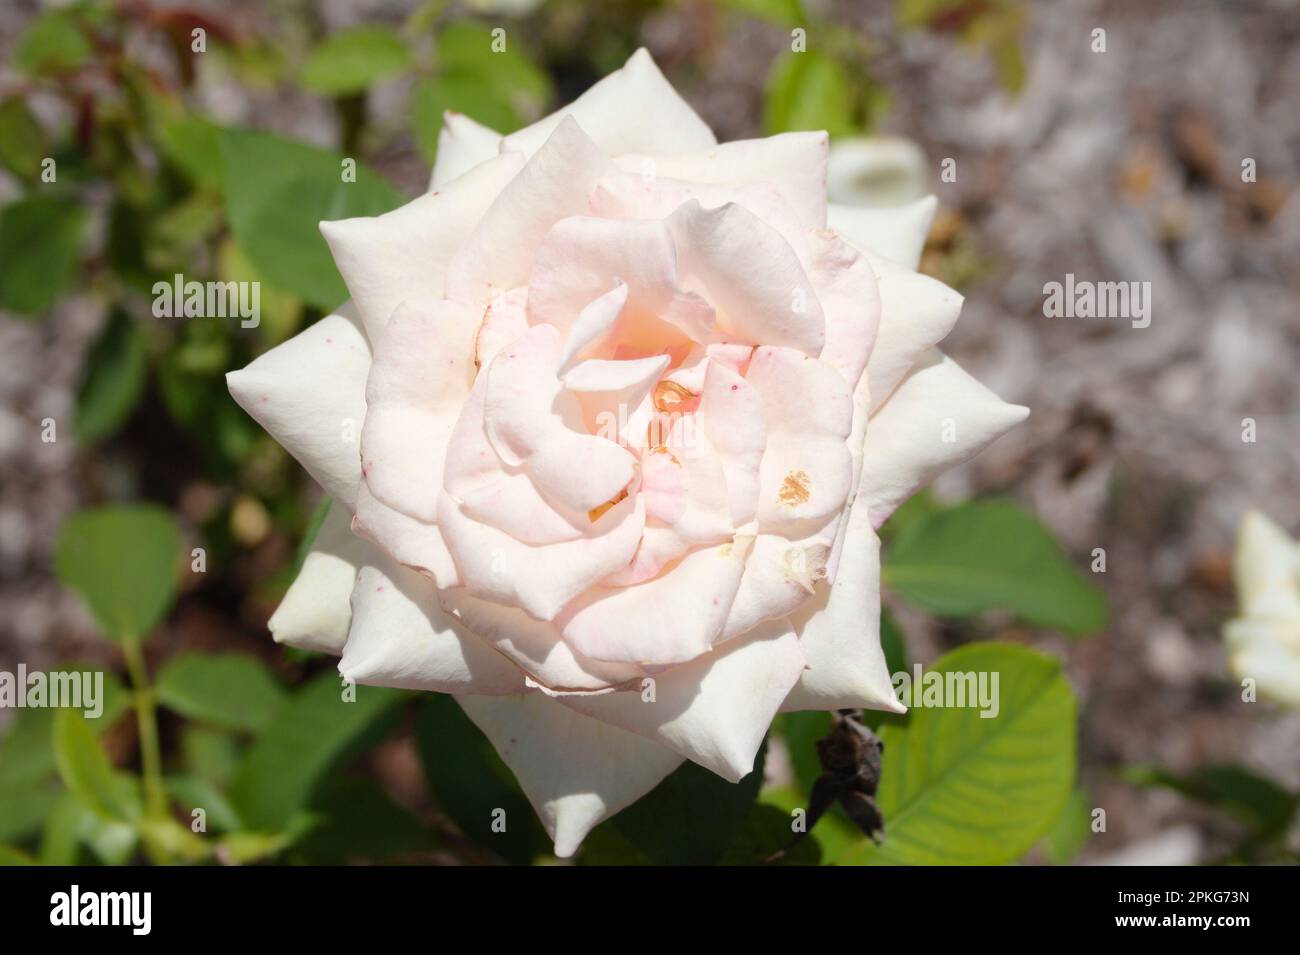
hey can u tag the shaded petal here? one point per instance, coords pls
(462, 145)
(404, 255)
(1266, 569)
(576, 771)
(320, 426)
(409, 541)
(1266, 650)
(632, 110)
(716, 709)
(316, 611)
(846, 287)
(504, 321)
(731, 414)
(906, 444)
(401, 637)
(780, 575)
(895, 232)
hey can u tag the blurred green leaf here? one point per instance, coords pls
(211, 755)
(280, 313)
(766, 830)
(470, 782)
(315, 731)
(87, 772)
(193, 792)
(52, 43)
(241, 848)
(833, 833)
(959, 789)
(22, 141)
(1256, 801)
(788, 12)
(692, 817)
(991, 554)
(40, 241)
(351, 60)
(277, 191)
(24, 807)
(1070, 833)
(117, 366)
(360, 822)
(921, 504)
(460, 93)
(807, 91)
(231, 691)
(122, 560)
(10, 856)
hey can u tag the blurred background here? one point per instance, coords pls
(1116, 164)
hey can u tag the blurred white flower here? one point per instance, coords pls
(505, 8)
(1264, 641)
(876, 171)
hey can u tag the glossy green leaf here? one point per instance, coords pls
(117, 366)
(352, 60)
(277, 191)
(312, 733)
(807, 91)
(122, 560)
(230, 691)
(991, 554)
(959, 789)
(40, 241)
(86, 771)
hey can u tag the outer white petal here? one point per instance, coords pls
(316, 611)
(403, 255)
(716, 709)
(462, 145)
(1267, 650)
(632, 110)
(415, 543)
(906, 444)
(401, 637)
(839, 631)
(309, 393)
(896, 232)
(1266, 568)
(576, 771)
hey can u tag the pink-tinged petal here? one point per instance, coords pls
(807, 471)
(750, 274)
(513, 503)
(316, 611)
(780, 575)
(583, 258)
(421, 376)
(629, 380)
(320, 426)
(939, 417)
(553, 185)
(403, 255)
(592, 323)
(581, 471)
(895, 232)
(522, 388)
(401, 637)
(541, 579)
(839, 632)
(505, 320)
(794, 163)
(416, 544)
(861, 405)
(462, 145)
(846, 287)
(716, 709)
(663, 486)
(671, 619)
(576, 771)
(916, 313)
(535, 646)
(632, 110)
(731, 414)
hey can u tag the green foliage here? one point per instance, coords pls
(22, 141)
(1072, 829)
(808, 91)
(360, 821)
(52, 43)
(87, 772)
(311, 734)
(990, 554)
(116, 370)
(961, 789)
(277, 191)
(787, 12)
(40, 239)
(122, 561)
(231, 691)
(352, 60)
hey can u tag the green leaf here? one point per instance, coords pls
(40, 240)
(1070, 832)
(1255, 800)
(117, 366)
(86, 771)
(230, 691)
(959, 789)
(192, 792)
(692, 817)
(315, 731)
(807, 91)
(22, 141)
(122, 560)
(280, 313)
(991, 554)
(470, 782)
(24, 808)
(277, 191)
(766, 830)
(352, 60)
(360, 822)
(461, 93)
(787, 12)
(10, 856)
(212, 755)
(52, 43)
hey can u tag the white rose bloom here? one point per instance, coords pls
(1264, 641)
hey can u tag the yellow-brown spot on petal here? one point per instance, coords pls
(670, 396)
(597, 512)
(794, 489)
